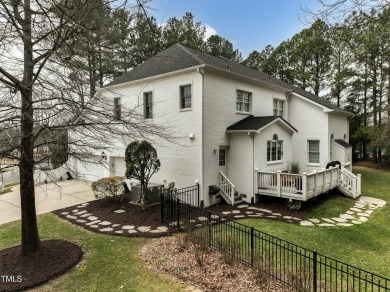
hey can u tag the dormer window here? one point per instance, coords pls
(278, 107)
(243, 101)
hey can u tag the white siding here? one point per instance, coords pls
(220, 112)
(312, 124)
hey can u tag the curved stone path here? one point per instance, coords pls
(84, 218)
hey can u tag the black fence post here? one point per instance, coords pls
(162, 197)
(314, 271)
(178, 213)
(209, 220)
(197, 189)
(252, 245)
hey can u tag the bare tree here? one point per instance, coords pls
(37, 97)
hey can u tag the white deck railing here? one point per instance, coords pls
(226, 187)
(305, 186)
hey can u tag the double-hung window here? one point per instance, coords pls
(117, 108)
(274, 149)
(278, 107)
(243, 101)
(313, 151)
(185, 96)
(148, 105)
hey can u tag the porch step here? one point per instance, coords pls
(237, 198)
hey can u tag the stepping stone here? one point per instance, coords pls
(356, 209)
(287, 217)
(360, 206)
(115, 225)
(94, 226)
(297, 219)
(369, 212)
(128, 227)
(81, 221)
(363, 214)
(347, 216)
(243, 206)
(93, 222)
(162, 228)
(86, 215)
(344, 224)
(356, 222)
(328, 220)
(239, 216)
(80, 206)
(202, 219)
(306, 223)
(174, 223)
(373, 207)
(226, 212)
(373, 201)
(192, 221)
(75, 210)
(249, 212)
(253, 208)
(119, 211)
(119, 231)
(92, 218)
(132, 231)
(71, 217)
(255, 215)
(144, 228)
(214, 216)
(363, 219)
(271, 216)
(236, 212)
(105, 223)
(276, 214)
(314, 220)
(64, 213)
(260, 214)
(350, 212)
(265, 210)
(340, 220)
(326, 225)
(155, 231)
(107, 229)
(84, 204)
(81, 212)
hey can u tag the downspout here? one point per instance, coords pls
(252, 135)
(201, 71)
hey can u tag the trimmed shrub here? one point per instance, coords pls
(109, 187)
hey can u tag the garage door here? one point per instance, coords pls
(118, 166)
(90, 171)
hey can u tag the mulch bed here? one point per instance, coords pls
(18, 272)
(133, 215)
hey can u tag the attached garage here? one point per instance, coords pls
(91, 171)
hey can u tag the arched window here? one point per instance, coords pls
(274, 149)
(331, 146)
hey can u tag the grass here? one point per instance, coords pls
(110, 262)
(8, 187)
(366, 245)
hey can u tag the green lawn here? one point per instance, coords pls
(8, 187)
(366, 246)
(110, 263)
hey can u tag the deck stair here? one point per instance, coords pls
(227, 190)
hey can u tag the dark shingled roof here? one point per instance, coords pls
(343, 143)
(178, 57)
(251, 123)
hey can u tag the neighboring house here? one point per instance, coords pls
(231, 123)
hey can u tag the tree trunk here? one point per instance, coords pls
(30, 238)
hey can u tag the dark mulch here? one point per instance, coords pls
(133, 215)
(18, 272)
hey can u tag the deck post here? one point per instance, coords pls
(331, 178)
(323, 180)
(304, 185)
(359, 185)
(278, 183)
(315, 183)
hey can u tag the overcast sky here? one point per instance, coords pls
(248, 24)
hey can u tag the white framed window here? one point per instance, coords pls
(274, 149)
(185, 96)
(222, 157)
(331, 146)
(117, 108)
(278, 107)
(148, 105)
(243, 101)
(313, 147)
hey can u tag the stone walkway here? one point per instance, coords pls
(83, 217)
(358, 214)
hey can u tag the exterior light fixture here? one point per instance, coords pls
(104, 156)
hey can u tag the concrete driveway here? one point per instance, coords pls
(48, 197)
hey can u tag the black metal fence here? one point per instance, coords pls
(295, 266)
(188, 195)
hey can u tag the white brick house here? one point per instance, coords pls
(230, 122)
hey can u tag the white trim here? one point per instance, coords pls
(275, 162)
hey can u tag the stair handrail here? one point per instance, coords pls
(232, 187)
(355, 182)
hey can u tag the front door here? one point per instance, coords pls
(223, 158)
